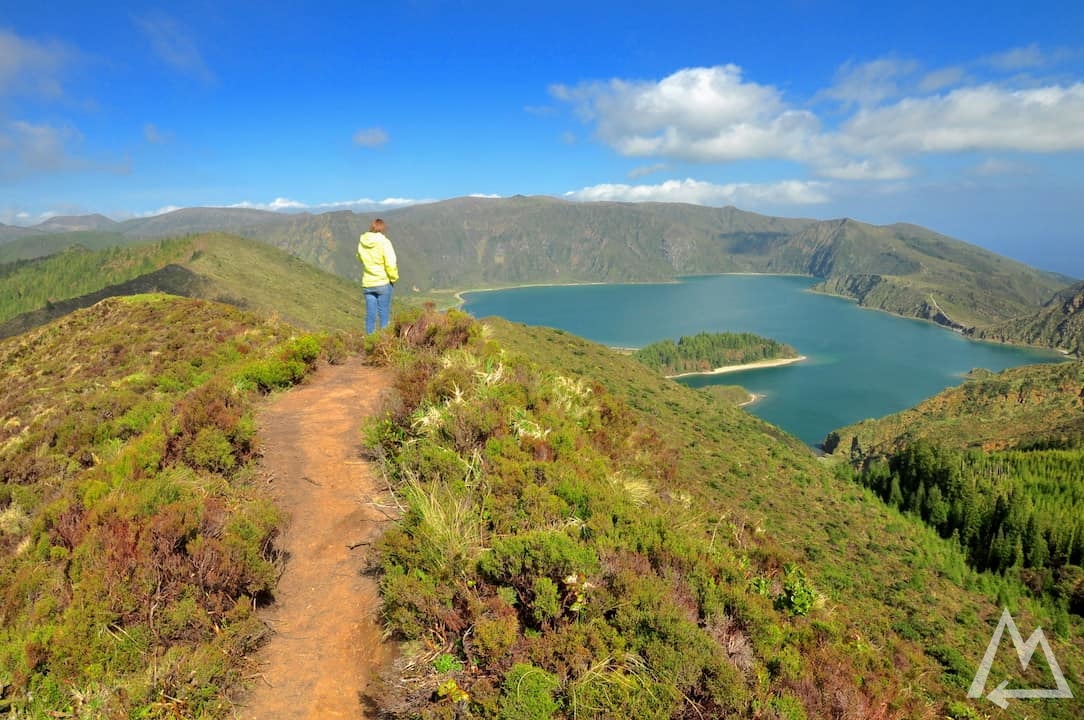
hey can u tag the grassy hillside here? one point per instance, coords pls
(996, 466)
(1059, 324)
(480, 242)
(240, 272)
(135, 542)
(1017, 407)
(576, 544)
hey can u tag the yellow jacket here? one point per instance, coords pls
(377, 258)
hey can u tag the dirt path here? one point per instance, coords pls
(326, 643)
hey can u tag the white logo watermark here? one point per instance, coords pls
(1000, 696)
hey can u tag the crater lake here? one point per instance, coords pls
(860, 363)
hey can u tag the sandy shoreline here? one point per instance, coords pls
(458, 294)
(746, 366)
(753, 398)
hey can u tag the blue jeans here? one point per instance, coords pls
(377, 306)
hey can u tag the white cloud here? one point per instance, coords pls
(987, 117)
(174, 45)
(706, 114)
(371, 137)
(160, 211)
(487, 196)
(869, 83)
(15, 216)
(28, 149)
(879, 169)
(645, 170)
(1021, 58)
(893, 116)
(285, 204)
(370, 204)
(941, 79)
(282, 204)
(788, 192)
(32, 67)
(997, 166)
(277, 204)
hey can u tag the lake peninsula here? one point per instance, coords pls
(716, 353)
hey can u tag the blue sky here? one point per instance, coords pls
(966, 117)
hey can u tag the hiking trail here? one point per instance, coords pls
(326, 647)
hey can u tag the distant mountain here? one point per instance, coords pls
(197, 220)
(8, 233)
(59, 224)
(485, 242)
(71, 223)
(1059, 324)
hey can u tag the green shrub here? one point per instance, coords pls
(546, 604)
(519, 559)
(446, 663)
(495, 636)
(957, 710)
(305, 348)
(527, 693)
(211, 450)
(788, 708)
(269, 375)
(798, 597)
(621, 690)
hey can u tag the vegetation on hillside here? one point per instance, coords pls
(997, 467)
(243, 273)
(1019, 511)
(705, 352)
(135, 544)
(1059, 324)
(573, 546)
(31, 284)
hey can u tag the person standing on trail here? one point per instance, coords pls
(378, 274)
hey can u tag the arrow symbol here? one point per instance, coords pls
(998, 696)
(1024, 651)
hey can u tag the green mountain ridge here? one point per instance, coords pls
(482, 242)
(240, 272)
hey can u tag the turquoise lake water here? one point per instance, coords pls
(861, 363)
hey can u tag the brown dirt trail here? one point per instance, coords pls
(326, 645)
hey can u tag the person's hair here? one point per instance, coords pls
(377, 226)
